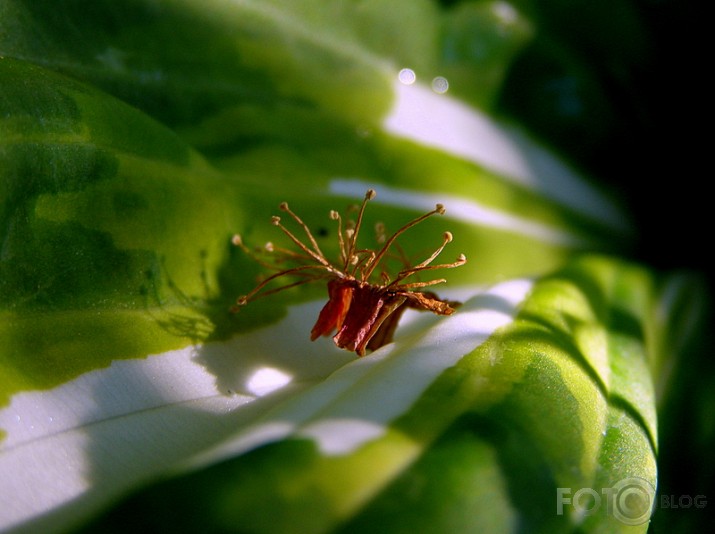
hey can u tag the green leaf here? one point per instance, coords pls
(137, 139)
(118, 245)
(540, 406)
(108, 218)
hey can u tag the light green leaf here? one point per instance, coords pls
(534, 409)
(118, 246)
(137, 139)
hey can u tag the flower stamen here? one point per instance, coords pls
(364, 314)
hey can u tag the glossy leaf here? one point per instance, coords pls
(110, 234)
(541, 404)
(136, 140)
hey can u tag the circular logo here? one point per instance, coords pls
(633, 500)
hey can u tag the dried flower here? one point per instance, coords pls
(364, 313)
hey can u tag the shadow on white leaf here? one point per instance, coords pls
(73, 449)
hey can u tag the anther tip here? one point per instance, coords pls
(371, 193)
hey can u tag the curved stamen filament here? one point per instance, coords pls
(284, 207)
(416, 285)
(334, 215)
(237, 241)
(277, 254)
(361, 257)
(461, 260)
(243, 300)
(283, 254)
(447, 238)
(317, 256)
(352, 237)
(439, 209)
(364, 313)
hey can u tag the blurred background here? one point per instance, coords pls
(618, 86)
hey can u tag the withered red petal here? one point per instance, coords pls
(332, 315)
(369, 308)
(386, 331)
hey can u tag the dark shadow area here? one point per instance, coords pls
(620, 89)
(236, 495)
(463, 481)
(686, 428)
